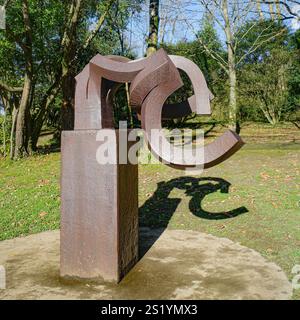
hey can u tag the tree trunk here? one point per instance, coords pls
(4, 125)
(232, 112)
(23, 118)
(153, 27)
(68, 114)
(13, 132)
(21, 144)
(278, 10)
(271, 9)
(233, 119)
(36, 130)
(259, 10)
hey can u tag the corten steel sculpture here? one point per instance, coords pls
(99, 222)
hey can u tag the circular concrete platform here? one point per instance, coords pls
(179, 265)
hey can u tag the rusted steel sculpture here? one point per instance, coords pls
(99, 222)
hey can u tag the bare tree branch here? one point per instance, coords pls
(6, 87)
(286, 5)
(98, 25)
(216, 56)
(257, 45)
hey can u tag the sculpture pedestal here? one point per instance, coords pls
(181, 264)
(99, 210)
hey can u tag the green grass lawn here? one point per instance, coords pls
(253, 198)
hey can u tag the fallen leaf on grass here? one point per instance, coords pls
(264, 175)
(274, 205)
(43, 214)
(43, 182)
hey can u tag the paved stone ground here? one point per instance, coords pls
(179, 265)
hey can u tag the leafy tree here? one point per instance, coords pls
(264, 85)
(267, 75)
(45, 45)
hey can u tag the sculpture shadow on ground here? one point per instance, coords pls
(157, 211)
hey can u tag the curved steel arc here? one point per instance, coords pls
(153, 80)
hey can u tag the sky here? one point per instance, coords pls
(179, 21)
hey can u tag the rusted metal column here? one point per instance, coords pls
(99, 222)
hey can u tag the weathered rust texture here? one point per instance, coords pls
(99, 223)
(99, 211)
(153, 80)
